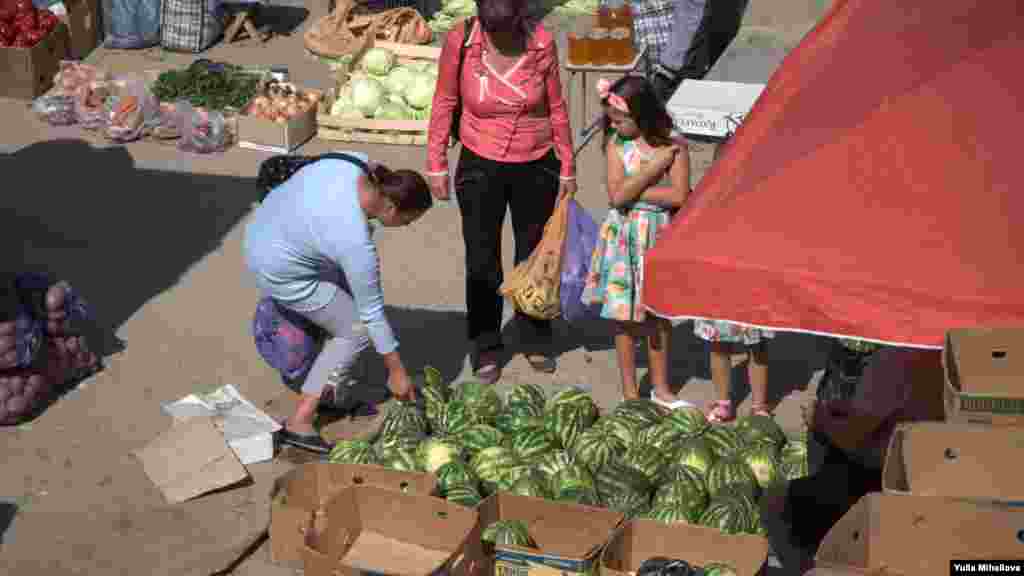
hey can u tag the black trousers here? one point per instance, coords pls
(486, 189)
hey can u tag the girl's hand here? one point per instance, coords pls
(566, 188)
(439, 187)
(666, 155)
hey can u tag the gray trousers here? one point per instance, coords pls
(685, 22)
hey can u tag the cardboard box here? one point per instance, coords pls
(372, 530)
(711, 108)
(641, 539)
(918, 535)
(28, 72)
(300, 493)
(261, 134)
(83, 26)
(985, 376)
(569, 537)
(958, 461)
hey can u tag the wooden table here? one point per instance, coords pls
(583, 70)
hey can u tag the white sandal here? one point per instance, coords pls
(671, 405)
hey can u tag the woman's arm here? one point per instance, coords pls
(622, 189)
(446, 96)
(559, 114)
(673, 196)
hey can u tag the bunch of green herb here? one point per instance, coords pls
(210, 89)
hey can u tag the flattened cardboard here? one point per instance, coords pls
(304, 490)
(570, 537)
(919, 535)
(640, 539)
(963, 461)
(28, 72)
(985, 376)
(372, 529)
(190, 459)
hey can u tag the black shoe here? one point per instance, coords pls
(312, 442)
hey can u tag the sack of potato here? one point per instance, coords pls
(41, 347)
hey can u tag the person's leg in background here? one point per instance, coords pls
(667, 71)
(532, 195)
(480, 190)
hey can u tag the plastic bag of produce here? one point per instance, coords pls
(92, 104)
(21, 336)
(134, 110)
(580, 240)
(132, 23)
(202, 131)
(285, 340)
(534, 285)
(55, 109)
(72, 75)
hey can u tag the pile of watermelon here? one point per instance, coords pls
(639, 459)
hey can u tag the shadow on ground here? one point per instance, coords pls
(119, 234)
(7, 513)
(282, 20)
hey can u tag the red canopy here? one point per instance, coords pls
(874, 190)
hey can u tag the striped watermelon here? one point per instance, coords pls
(353, 451)
(641, 412)
(399, 458)
(623, 429)
(432, 453)
(491, 464)
(793, 459)
(398, 441)
(730, 515)
(719, 569)
(508, 533)
(574, 483)
(433, 405)
(565, 422)
(595, 447)
(576, 397)
(764, 464)
(517, 416)
(617, 482)
(761, 430)
(670, 514)
(552, 462)
(529, 443)
(690, 496)
(724, 441)
(694, 452)
(432, 378)
(403, 418)
(464, 495)
(478, 437)
(731, 473)
(508, 477)
(528, 394)
(454, 418)
(532, 483)
(482, 402)
(663, 437)
(651, 463)
(630, 503)
(455, 473)
(689, 420)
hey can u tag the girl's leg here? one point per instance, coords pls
(721, 378)
(757, 370)
(625, 346)
(657, 357)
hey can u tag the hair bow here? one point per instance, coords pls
(604, 86)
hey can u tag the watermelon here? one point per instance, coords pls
(565, 422)
(616, 477)
(454, 473)
(663, 437)
(595, 447)
(352, 452)
(642, 413)
(478, 437)
(529, 443)
(432, 378)
(761, 430)
(764, 464)
(724, 441)
(730, 515)
(481, 400)
(689, 420)
(696, 453)
(464, 495)
(399, 458)
(508, 533)
(404, 441)
(530, 395)
(403, 418)
(576, 397)
(731, 473)
(532, 483)
(454, 418)
(552, 462)
(433, 405)
(624, 429)
(631, 503)
(432, 453)
(688, 496)
(518, 416)
(793, 459)
(491, 464)
(574, 483)
(670, 513)
(719, 569)
(652, 463)
(687, 476)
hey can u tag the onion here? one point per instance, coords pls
(16, 384)
(280, 103)
(8, 328)
(17, 405)
(7, 343)
(9, 359)
(55, 296)
(34, 385)
(5, 393)
(312, 97)
(71, 344)
(4, 415)
(291, 110)
(55, 327)
(281, 119)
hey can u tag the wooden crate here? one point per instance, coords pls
(401, 132)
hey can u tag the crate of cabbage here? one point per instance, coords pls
(637, 459)
(382, 96)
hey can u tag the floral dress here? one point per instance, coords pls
(615, 280)
(727, 332)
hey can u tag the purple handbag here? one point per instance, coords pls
(285, 340)
(580, 240)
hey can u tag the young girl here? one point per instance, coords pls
(725, 339)
(640, 153)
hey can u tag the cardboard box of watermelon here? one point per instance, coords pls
(984, 369)
(32, 44)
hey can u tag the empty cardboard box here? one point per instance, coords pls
(712, 108)
(641, 539)
(919, 535)
(300, 493)
(569, 537)
(985, 376)
(958, 461)
(383, 532)
(28, 72)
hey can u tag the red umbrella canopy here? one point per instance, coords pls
(874, 190)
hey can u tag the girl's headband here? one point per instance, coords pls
(604, 86)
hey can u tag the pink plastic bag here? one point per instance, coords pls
(202, 131)
(134, 112)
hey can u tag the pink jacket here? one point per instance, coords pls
(515, 117)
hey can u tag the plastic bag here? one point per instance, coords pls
(73, 75)
(133, 112)
(132, 23)
(56, 109)
(92, 104)
(202, 131)
(533, 286)
(580, 240)
(285, 340)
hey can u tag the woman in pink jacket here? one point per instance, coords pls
(516, 155)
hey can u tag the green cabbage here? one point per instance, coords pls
(420, 92)
(367, 94)
(392, 110)
(378, 61)
(398, 80)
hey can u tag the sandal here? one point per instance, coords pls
(541, 363)
(721, 412)
(762, 409)
(313, 442)
(670, 405)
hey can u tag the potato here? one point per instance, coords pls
(17, 405)
(16, 384)
(35, 385)
(56, 327)
(55, 297)
(4, 416)
(71, 344)
(5, 393)
(7, 343)
(8, 328)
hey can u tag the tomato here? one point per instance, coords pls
(47, 20)
(6, 32)
(23, 7)
(4, 43)
(21, 42)
(25, 21)
(6, 12)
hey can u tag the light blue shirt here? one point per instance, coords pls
(309, 225)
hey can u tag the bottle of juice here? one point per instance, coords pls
(620, 32)
(599, 37)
